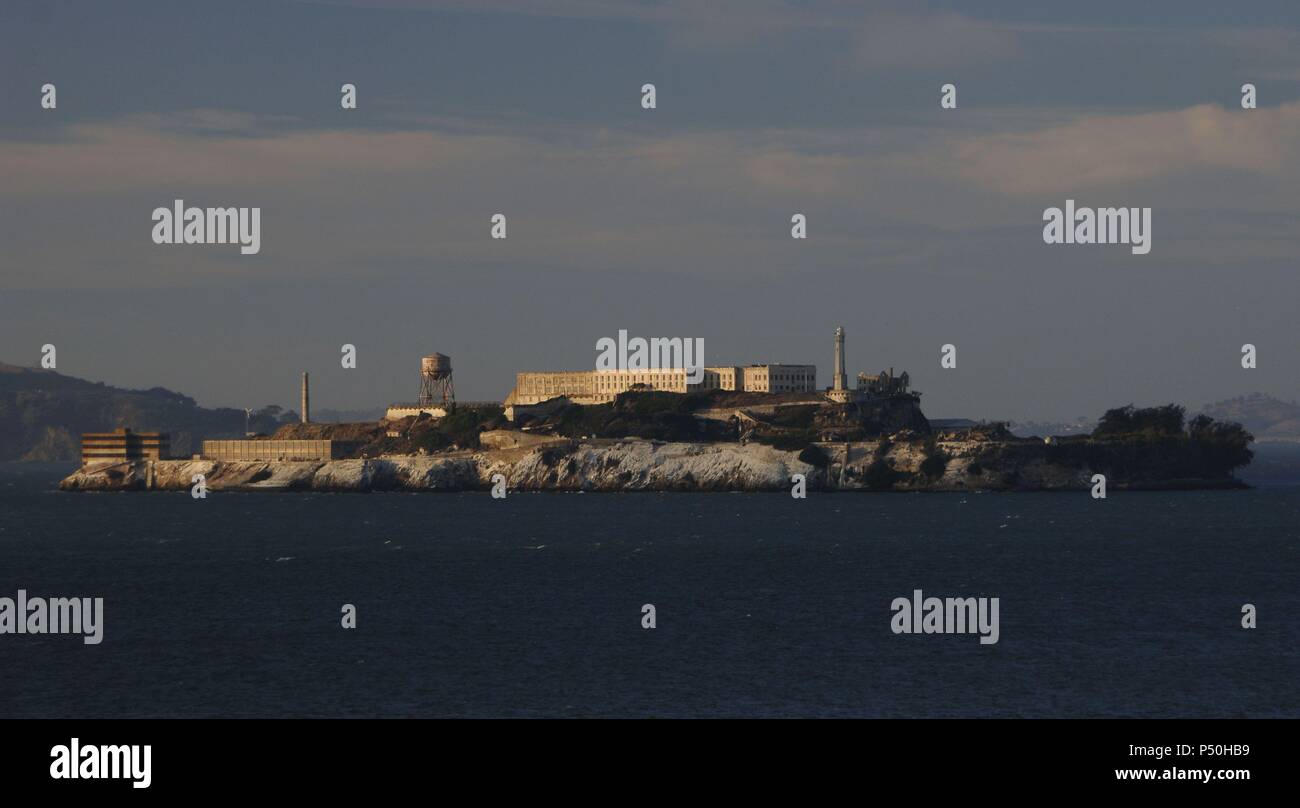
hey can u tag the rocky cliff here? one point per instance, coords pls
(643, 465)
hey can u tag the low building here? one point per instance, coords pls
(122, 445)
(397, 412)
(276, 449)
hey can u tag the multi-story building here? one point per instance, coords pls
(601, 386)
(122, 445)
(779, 378)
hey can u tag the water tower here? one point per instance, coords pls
(435, 382)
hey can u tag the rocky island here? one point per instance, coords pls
(714, 441)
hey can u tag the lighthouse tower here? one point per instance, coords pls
(839, 391)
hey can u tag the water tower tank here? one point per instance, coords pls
(435, 382)
(435, 365)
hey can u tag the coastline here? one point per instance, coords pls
(633, 464)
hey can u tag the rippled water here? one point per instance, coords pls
(469, 606)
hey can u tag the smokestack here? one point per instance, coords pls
(839, 379)
(306, 415)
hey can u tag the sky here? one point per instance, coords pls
(924, 224)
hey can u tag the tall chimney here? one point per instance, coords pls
(839, 380)
(306, 414)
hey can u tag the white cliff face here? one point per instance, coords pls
(623, 466)
(649, 466)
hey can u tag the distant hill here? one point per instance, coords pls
(329, 416)
(1269, 418)
(1079, 426)
(43, 413)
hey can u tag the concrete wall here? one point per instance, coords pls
(397, 412)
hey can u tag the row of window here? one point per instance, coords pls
(559, 386)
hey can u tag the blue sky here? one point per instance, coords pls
(925, 224)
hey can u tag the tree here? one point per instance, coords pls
(1128, 420)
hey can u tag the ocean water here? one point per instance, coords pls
(766, 605)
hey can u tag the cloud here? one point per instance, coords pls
(931, 42)
(883, 33)
(226, 150)
(343, 202)
(1261, 53)
(743, 15)
(207, 149)
(1109, 150)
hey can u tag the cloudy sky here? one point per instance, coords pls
(925, 225)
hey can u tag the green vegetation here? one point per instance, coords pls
(460, 429)
(934, 465)
(795, 422)
(654, 415)
(797, 417)
(1149, 422)
(1156, 435)
(1222, 444)
(1137, 446)
(789, 429)
(1151, 444)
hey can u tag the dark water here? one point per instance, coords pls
(530, 606)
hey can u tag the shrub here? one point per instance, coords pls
(881, 476)
(934, 465)
(815, 456)
(1149, 421)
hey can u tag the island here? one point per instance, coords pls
(713, 441)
